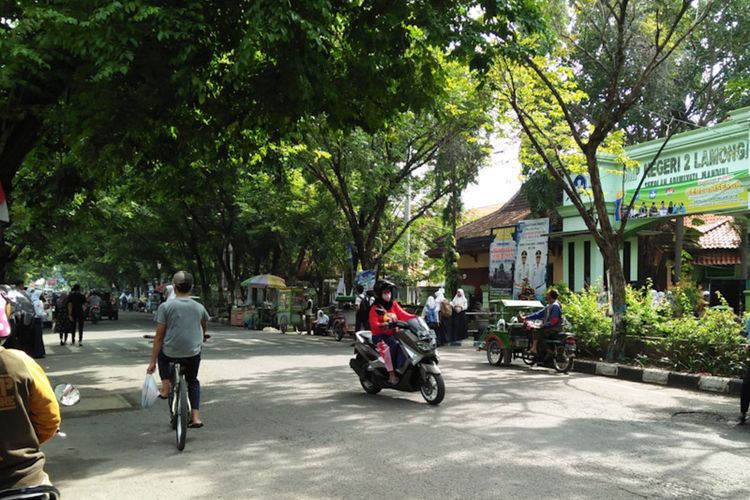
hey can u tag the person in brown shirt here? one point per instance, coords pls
(29, 415)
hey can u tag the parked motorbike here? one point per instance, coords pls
(95, 313)
(558, 350)
(67, 395)
(419, 371)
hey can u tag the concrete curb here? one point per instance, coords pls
(707, 383)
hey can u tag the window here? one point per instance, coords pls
(571, 265)
(626, 260)
(586, 263)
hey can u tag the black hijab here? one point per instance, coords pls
(382, 303)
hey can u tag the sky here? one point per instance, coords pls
(499, 180)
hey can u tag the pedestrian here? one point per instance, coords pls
(362, 306)
(37, 324)
(77, 312)
(123, 300)
(431, 314)
(63, 325)
(29, 415)
(458, 318)
(445, 335)
(309, 315)
(21, 318)
(744, 397)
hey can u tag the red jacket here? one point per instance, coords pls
(379, 322)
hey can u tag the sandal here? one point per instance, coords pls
(195, 425)
(163, 397)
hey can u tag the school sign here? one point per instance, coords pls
(695, 178)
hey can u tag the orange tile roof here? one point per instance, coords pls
(718, 258)
(716, 231)
(514, 210)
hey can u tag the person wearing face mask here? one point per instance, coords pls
(383, 314)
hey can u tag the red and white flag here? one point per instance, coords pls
(4, 216)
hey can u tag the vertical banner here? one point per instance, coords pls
(530, 277)
(366, 279)
(502, 260)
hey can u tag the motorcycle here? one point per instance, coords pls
(418, 372)
(559, 350)
(95, 313)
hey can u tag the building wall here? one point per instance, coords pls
(578, 245)
(481, 260)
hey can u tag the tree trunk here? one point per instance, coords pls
(611, 254)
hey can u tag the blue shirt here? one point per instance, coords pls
(551, 314)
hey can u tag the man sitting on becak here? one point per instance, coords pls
(552, 319)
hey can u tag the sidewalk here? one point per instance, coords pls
(694, 381)
(706, 383)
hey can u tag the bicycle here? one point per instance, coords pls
(179, 404)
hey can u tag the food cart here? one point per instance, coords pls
(268, 302)
(345, 316)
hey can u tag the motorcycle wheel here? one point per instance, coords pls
(562, 361)
(338, 330)
(369, 387)
(433, 388)
(528, 359)
(495, 353)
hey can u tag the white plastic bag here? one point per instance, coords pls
(149, 392)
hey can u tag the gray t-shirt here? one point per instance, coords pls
(184, 335)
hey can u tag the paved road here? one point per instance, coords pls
(286, 419)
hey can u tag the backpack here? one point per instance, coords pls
(446, 309)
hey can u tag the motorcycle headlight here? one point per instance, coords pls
(424, 345)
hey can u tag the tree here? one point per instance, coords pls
(570, 118)
(119, 84)
(429, 154)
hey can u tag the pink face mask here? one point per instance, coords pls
(387, 296)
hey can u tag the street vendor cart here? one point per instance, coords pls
(508, 338)
(345, 316)
(268, 297)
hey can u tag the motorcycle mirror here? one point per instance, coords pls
(67, 394)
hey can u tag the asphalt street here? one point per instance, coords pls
(286, 418)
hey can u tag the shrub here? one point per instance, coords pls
(589, 321)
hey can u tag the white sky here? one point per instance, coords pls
(499, 180)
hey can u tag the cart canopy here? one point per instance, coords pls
(265, 281)
(520, 304)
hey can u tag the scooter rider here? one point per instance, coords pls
(384, 312)
(552, 317)
(29, 414)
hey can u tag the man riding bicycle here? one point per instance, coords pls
(180, 331)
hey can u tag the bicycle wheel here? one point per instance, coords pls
(182, 413)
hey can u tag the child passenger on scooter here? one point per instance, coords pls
(552, 316)
(384, 312)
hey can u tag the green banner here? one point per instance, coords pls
(697, 193)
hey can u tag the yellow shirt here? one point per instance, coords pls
(29, 416)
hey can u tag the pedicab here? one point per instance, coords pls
(511, 336)
(344, 316)
(508, 338)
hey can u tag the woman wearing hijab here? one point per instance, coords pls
(460, 304)
(444, 334)
(63, 325)
(37, 339)
(384, 312)
(430, 312)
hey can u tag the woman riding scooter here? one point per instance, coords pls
(383, 313)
